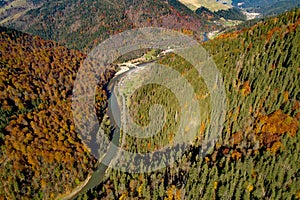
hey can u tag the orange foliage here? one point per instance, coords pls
(271, 33)
(271, 127)
(286, 96)
(246, 88)
(236, 155)
(237, 138)
(36, 80)
(275, 147)
(187, 32)
(173, 193)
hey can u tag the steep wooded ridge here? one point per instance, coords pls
(41, 154)
(231, 13)
(257, 158)
(84, 24)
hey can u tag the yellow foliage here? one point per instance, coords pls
(52, 196)
(236, 155)
(271, 127)
(275, 147)
(250, 188)
(215, 185)
(43, 183)
(202, 128)
(178, 195)
(140, 189)
(123, 196)
(207, 159)
(170, 192)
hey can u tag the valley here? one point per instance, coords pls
(43, 48)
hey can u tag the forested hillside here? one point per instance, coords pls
(84, 24)
(258, 155)
(43, 157)
(231, 13)
(41, 154)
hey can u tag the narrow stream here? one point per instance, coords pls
(205, 38)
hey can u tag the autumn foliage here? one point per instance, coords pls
(39, 135)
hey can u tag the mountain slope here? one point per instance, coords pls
(231, 14)
(228, 14)
(264, 7)
(13, 9)
(41, 154)
(258, 151)
(257, 158)
(83, 24)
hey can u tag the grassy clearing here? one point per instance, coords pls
(17, 3)
(210, 4)
(13, 14)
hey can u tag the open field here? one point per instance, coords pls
(210, 4)
(14, 10)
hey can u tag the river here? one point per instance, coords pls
(99, 174)
(205, 38)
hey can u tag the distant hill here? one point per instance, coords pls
(205, 12)
(13, 9)
(83, 24)
(266, 7)
(232, 14)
